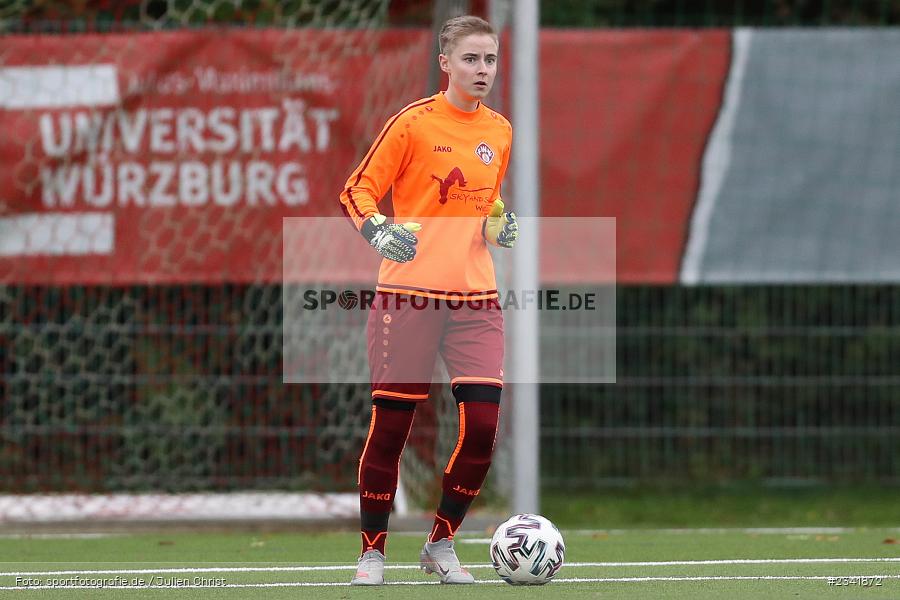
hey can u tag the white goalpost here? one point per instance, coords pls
(524, 350)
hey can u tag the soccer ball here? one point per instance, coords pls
(527, 550)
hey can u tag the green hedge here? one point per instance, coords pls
(717, 13)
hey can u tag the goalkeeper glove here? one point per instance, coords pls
(500, 228)
(392, 241)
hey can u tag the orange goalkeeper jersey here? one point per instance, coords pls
(446, 166)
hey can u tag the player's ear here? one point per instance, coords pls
(444, 63)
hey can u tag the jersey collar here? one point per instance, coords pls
(457, 114)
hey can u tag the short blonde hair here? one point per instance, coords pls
(457, 28)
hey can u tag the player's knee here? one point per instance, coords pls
(481, 407)
(479, 442)
(386, 447)
(391, 427)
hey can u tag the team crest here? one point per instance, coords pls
(485, 153)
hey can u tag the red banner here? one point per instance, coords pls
(625, 116)
(173, 157)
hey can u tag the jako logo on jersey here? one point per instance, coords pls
(485, 153)
(371, 496)
(443, 149)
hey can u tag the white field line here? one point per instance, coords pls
(721, 530)
(688, 531)
(59, 536)
(493, 581)
(479, 540)
(348, 567)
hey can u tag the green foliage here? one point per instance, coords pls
(742, 505)
(60, 16)
(737, 382)
(180, 387)
(717, 13)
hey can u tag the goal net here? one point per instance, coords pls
(150, 151)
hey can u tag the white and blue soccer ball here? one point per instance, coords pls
(527, 550)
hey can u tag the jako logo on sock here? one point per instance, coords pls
(465, 491)
(371, 496)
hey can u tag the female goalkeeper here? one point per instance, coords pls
(445, 157)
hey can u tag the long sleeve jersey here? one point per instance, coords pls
(445, 166)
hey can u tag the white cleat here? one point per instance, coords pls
(370, 570)
(440, 557)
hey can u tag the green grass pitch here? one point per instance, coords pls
(625, 563)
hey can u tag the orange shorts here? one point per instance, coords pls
(406, 333)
